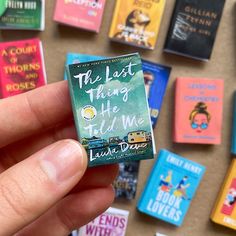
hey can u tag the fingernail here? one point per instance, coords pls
(63, 161)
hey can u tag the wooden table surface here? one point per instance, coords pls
(58, 40)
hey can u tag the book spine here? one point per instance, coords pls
(148, 184)
(114, 19)
(42, 25)
(42, 61)
(233, 142)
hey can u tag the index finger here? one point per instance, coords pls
(28, 113)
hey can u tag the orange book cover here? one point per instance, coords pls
(224, 211)
(198, 110)
(137, 22)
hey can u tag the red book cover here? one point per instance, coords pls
(198, 110)
(22, 67)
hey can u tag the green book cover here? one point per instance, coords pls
(111, 110)
(24, 14)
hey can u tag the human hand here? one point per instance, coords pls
(45, 188)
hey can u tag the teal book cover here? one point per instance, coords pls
(26, 15)
(111, 109)
(170, 187)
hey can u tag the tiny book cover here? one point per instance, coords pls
(82, 14)
(75, 58)
(233, 141)
(137, 22)
(111, 109)
(113, 222)
(156, 78)
(224, 211)
(194, 27)
(125, 184)
(22, 66)
(170, 187)
(198, 110)
(26, 15)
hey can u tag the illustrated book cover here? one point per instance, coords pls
(26, 15)
(137, 22)
(112, 222)
(194, 27)
(156, 78)
(170, 187)
(198, 110)
(224, 211)
(125, 184)
(111, 109)
(22, 66)
(82, 14)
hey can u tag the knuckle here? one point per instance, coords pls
(13, 197)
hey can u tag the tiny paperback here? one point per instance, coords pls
(224, 211)
(194, 27)
(137, 22)
(170, 187)
(125, 184)
(82, 14)
(112, 222)
(233, 142)
(22, 66)
(111, 109)
(198, 110)
(156, 79)
(26, 15)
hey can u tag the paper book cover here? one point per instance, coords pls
(125, 184)
(82, 14)
(194, 27)
(233, 141)
(112, 222)
(27, 15)
(156, 78)
(170, 187)
(75, 58)
(224, 211)
(111, 109)
(22, 66)
(198, 110)
(137, 22)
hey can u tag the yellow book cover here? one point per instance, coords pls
(224, 212)
(137, 22)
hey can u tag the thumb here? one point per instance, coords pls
(32, 186)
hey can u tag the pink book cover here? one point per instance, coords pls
(198, 110)
(22, 67)
(113, 222)
(82, 14)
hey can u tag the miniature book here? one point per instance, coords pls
(198, 110)
(75, 58)
(224, 211)
(82, 14)
(22, 66)
(194, 27)
(156, 79)
(111, 109)
(170, 187)
(137, 22)
(112, 222)
(233, 142)
(26, 15)
(125, 184)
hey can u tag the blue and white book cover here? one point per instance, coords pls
(74, 58)
(156, 78)
(170, 187)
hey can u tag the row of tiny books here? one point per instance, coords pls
(191, 33)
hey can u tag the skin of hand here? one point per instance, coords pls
(45, 186)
